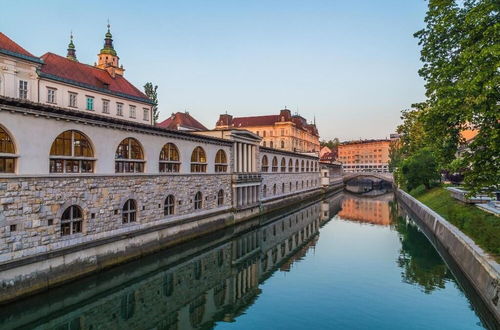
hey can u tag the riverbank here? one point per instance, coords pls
(483, 228)
(479, 267)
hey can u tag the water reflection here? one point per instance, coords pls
(374, 210)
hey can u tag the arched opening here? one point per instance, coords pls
(274, 189)
(290, 165)
(220, 198)
(129, 211)
(71, 152)
(129, 157)
(282, 144)
(296, 165)
(302, 166)
(264, 191)
(169, 207)
(7, 153)
(71, 220)
(283, 165)
(198, 160)
(264, 164)
(169, 158)
(275, 164)
(198, 200)
(220, 161)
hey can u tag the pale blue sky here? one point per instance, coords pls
(352, 64)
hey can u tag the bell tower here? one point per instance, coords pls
(107, 58)
(71, 49)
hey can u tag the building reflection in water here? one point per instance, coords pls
(193, 286)
(374, 210)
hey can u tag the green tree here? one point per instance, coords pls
(151, 92)
(421, 168)
(461, 56)
(332, 144)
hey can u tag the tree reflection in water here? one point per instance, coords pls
(421, 264)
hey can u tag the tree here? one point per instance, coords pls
(421, 168)
(151, 92)
(461, 58)
(332, 144)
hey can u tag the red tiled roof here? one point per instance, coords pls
(7, 44)
(255, 121)
(182, 119)
(79, 73)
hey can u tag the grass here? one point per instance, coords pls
(480, 226)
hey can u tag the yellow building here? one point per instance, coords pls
(365, 155)
(284, 131)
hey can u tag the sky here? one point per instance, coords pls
(351, 65)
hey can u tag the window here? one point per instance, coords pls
(198, 201)
(51, 95)
(274, 189)
(119, 109)
(282, 144)
(264, 191)
(72, 99)
(263, 143)
(71, 221)
(169, 207)
(264, 165)
(283, 187)
(220, 161)
(145, 116)
(275, 165)
(271, 145)
(283, 165)
(169, 158)
(220, 198)
(296, 165)
(307, 166)
(290, 165)
(129, 211)
(264, 133)
(7, 153)
(90, 103)
(302, 166)
(198, 160)
(105, 106)
(282, 132)
(23, 89)
(132, 111)
(129, 157)
(71, 152)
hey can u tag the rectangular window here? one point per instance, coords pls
(72, 99)
(146, 114)
(51, 95)
(23, 89)
(90, 103)
(132, 111)
(105, 106)
(119, 109)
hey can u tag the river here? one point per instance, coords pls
(344, 262)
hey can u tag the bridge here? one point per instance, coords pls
(377, 175)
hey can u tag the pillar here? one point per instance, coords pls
(240, 160)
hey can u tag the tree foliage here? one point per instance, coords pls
(332, 144)
(152, 93)
(421, 168)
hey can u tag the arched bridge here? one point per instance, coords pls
(382, 176)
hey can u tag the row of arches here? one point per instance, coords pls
(302, 166)
(72, 217)
(274, 191)
(72, 152)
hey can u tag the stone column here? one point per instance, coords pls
(240, 196)
(235, 156)
(245, 157)
(240, 161)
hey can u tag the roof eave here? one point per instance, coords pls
(22, 56)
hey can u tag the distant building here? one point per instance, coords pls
(182, 121)
(284, 131)
(329, 157)
(324, 150)
(365, 155)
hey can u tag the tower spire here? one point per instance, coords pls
(71, 48)
(107, 57)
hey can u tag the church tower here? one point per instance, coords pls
(107, 58)
(71, 49)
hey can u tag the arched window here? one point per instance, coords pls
(71, 152)
(169, 158)
(265, 164)
(264, 191)
(220, 161)
(283, 165)
(71, 220)
(275, 164)
(220, 198)
(129, 157)
(264, 142)
(302, 166)
(290, 186)
(129, 211)
(274, 189)
(198, 160)
(296, 185)
(290, 165)
(283, 188)
(282, 144)
(296, 165)
(7, 153)
(307, 166)
(198, 201)
(169, 207)
(271, 144)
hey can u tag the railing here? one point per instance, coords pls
(247, 177)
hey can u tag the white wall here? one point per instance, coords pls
(11, 71)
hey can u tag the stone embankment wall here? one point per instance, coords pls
(479, 268)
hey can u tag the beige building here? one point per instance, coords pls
(365, 155)
(284, 131)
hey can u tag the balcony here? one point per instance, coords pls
(246, 177)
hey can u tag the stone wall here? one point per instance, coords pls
(480, 269)
(31, 208)
(291, 182)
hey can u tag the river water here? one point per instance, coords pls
(345, 262)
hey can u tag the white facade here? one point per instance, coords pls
(15, 70)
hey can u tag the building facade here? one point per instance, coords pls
(365, 155)
(283, 131)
